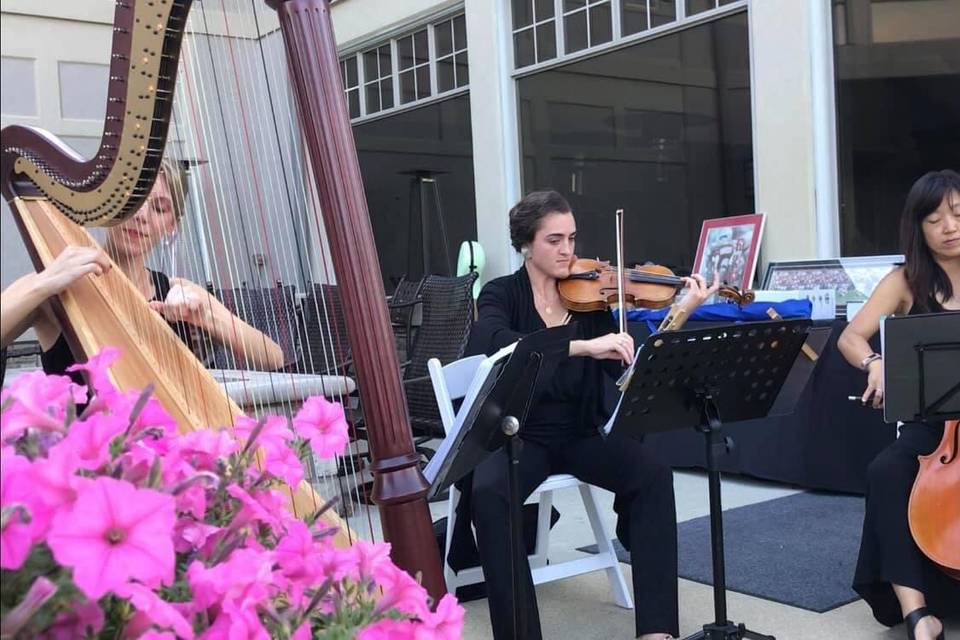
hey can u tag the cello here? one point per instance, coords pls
(934, 508)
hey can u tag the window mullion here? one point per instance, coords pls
(615, 18)
(559, 28)
(362, 86)
(432, 57)
(395, 74)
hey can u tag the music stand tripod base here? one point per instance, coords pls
(686, 379)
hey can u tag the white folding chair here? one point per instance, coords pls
(460, 379)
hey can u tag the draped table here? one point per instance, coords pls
(827, 443)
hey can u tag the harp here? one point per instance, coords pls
(56, 195)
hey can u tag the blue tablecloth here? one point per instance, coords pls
(727, 312)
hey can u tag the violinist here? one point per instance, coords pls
(893, 576)
(560, 434)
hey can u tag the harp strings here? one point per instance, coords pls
(253, 196)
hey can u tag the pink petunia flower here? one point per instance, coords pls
(97, 371)
(322, 423)
(55, 482)
(446, 623)
(205, 447)
(190, 535)
(246, 578)
(273, 435)
(152, 634)
(157, 611)
(401, 592)
(115, 532)
(37, 401)
(389, 629)
(81, 621)
(371, 559)
(90, 439)
(236, 623)
(39, 593)
(25, 515)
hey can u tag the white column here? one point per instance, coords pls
(493, 111)
(824, 130)
(783, 128)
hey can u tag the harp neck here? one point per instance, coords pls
(109, 187)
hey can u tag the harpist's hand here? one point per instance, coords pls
(189, 303)
(72, 264)
(613, 346)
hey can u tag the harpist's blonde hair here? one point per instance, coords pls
(176, 179)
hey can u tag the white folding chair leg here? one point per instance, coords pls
(448, 574)
(541, 550)
(605, 548)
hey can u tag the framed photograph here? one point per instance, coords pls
(852, 279)
(728, 247)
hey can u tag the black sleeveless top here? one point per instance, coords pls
(932, 307)
(59, 357)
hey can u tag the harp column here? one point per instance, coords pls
(399, 486)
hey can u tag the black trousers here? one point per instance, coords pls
(644, 488)
(888, 554)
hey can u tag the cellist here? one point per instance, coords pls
(893, 576)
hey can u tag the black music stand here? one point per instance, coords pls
(921, 377)
(494, 419)
(701, 379)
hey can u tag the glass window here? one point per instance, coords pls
(534, 40)
(633, 16)
(662, 12)
(413, 63)
(378, 78)
(586, 23)
(699, 6)
(898, 105)
(451, 38)
(417, 168)
(615, 131)
(351, 84)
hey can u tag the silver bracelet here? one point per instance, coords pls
(870, 358)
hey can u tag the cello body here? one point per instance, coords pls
(934, 510)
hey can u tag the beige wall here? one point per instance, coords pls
(783, 127)
(358, 20)
(784, 154)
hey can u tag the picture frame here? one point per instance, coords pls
(852, 279)
(729, 246)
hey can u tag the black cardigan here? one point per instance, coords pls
(506, 313)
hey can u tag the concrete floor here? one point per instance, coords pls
(582, 607)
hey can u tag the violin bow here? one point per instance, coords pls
(620, 271)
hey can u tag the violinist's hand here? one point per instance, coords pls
(613, 346)
(698, 291)
(874, 384)
(188, 302)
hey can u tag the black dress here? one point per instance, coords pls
(888, 554)
(59, 357)
(560, 436)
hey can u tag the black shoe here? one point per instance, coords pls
(913, 618)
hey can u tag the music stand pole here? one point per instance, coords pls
(691, 378)
(511, 428)
(718, 445)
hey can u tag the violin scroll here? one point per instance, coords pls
(733, 294)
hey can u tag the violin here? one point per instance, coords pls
(934, 509)
(594, 285)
